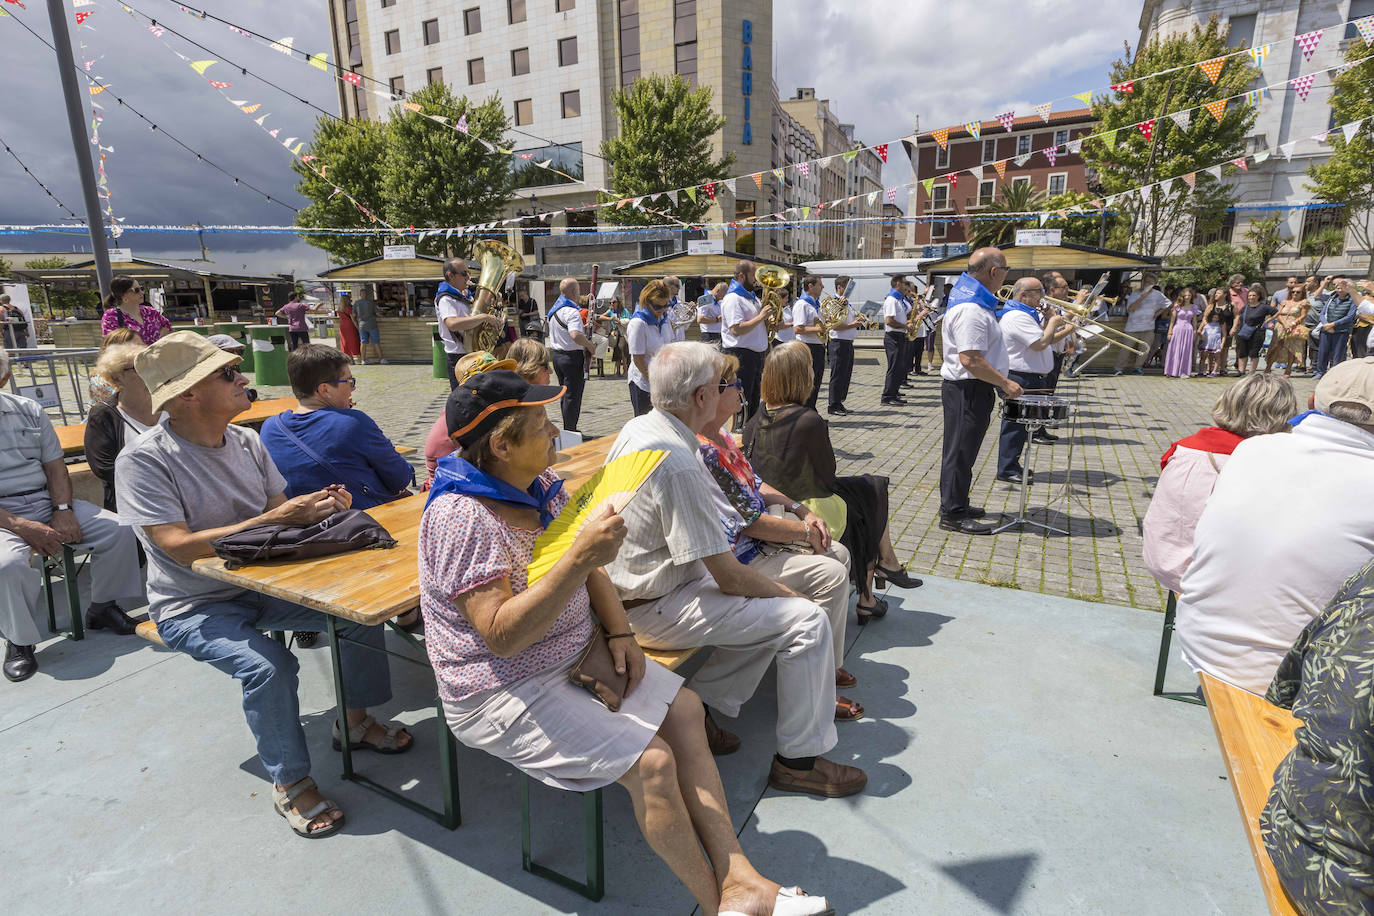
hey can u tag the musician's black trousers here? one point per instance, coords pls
(968, 409)
(1012, 442)
(817, 370)
(569, 366)
(640, 402)
(751, 374)
(841, 371)
(894, 345)
(1052, 380)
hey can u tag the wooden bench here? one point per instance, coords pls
(1254, 736)
(148, 630)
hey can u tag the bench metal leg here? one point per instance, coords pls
(73, 594)
(48, 595)
(1170, 612)
(593, 836)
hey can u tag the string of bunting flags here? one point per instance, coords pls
(102, 151)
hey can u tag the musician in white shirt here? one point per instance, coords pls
(1140, 318)
(806, 325)
(896, 310)
(743, 334)
(569, 346)
(841, 353)
(708, 313)
(1029, 338)
(674, 288)
(647, 332)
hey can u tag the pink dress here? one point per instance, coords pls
(149, 325)
(1178, 361)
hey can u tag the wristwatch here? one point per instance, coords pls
(62, 507)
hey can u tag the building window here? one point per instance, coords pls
(1058, 184)
(1222, 231)
(942, 156)
(1358, 10)
(990, 150)
(520, 62)
(1061, 137)
(516, 9)
(567, 51)
(562, 6)
(629, 41)
(524, 112)
(985, 192)
(477, 71)
(939, 230)
(360, 94)
(1320, 220)
(430, 29)
(572, 103)
(1242, 29)
(1023, 145)
(939, 197)
(393, 41)
(472, 21)
(398, 86)
(1020, 180)
(387, 3)
(685, 62)
(434, 75)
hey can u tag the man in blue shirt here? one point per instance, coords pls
(1335, 318)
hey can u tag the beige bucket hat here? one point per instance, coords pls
(177, 361)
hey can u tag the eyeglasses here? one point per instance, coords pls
(737, 383)
(135, 289)
(229, 373)
(350, 382)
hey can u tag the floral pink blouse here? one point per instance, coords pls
(464, 545)
(149, 325)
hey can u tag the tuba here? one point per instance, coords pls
(497, 260)
(773, 278)
(834, 312)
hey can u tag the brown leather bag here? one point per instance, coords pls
(595, 672)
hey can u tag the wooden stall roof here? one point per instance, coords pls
(138, 268)
(1065, 256)
(693, 265)
(380, 270)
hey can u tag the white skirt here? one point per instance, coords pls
(549, 728)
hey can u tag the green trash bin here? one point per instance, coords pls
(439, 355)
(237, 330)
(269, 353)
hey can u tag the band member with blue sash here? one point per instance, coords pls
(569, 347)
(1030, 338)
(454, 310)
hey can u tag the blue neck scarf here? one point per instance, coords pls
(448, 289)
(967, 289)
(735, 287)
(456, 475)
(1014, 306)
(807, 297)
(561, 303)
(897, 294)
(1304, 415)
(648, 317)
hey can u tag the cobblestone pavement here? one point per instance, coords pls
(1123, 425)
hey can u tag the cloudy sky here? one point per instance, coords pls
(882, 63)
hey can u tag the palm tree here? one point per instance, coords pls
(1013, 198)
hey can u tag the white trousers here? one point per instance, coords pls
(114, 564)
(748, 634)
(822, 577)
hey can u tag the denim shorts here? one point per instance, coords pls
(370, 335)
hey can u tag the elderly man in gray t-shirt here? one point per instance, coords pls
(194, 478)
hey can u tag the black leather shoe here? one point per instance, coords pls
(837, 411)
(974, 512)
(892, 402)
(1041, 435)
(108, 616)
(898, 577)
(965, 526)
(20, 664)
(1016, 478)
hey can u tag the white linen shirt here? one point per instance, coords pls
(734, 308)
(1019, 331)
(1141, 314)
(894, 308)
(645, 340)
(804, 313)
(450, 306)
(1263, 568)
(560, 338)
(969, 326)
(849, 316)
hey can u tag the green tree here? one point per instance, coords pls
(351, 153)
(1319, 246)
(1164, 216)
(1265, 239)
(5, 267)
(63, 302)
(433, 175)
(1347, 178)
(664, 142)
(993, 228)
(1210, 265)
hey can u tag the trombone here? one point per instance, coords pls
(1076, 315)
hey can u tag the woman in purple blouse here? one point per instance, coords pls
(125, 308)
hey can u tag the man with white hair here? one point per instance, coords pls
(38, 515)
(683, 588)
(1247, 594)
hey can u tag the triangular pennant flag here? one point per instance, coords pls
(927, 184)
(273, 132)
(1001, 166)
(218, 85)
(806, 212)
(976, 172)
(1213, 68)
(1302, 85)
(1021, 159)
(892, 195)
(823, 164)
(1147, 128)
(1043, 110)
(777, 173)
(953, 180)
(1216, 109)
(440, 119)
(1214, 171)
(730, 185)
(96, 90)
(1257, 55)
(284, 46)
(288, 141)
(1007, 119)
(297, 150)
(82, 17)
(1084, 97)
(758, 180)
(200, 66)
(1286, 149)
(881, 150)
(462, 123)
(1044, 217)
(262, 119)
(348, 76)
(249, 109)
(974, 128)
(1254, 96)
(941, 137)
(1366, 27)
(1074, 147)
(1350, 129)
(872, 196)
(849, 156)
(410, 106)
(503, 151)
(621, 203)
(1239, 162)
(1182, 119)
(1128, 86)
(319, 61)
(691, 193)
(1308, 42)
(1108, 139)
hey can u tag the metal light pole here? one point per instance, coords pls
(81, 144)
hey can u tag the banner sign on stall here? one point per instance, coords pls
(397, 252)
(1039, 236)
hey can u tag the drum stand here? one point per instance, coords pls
(1066, 491)
(1020, 518)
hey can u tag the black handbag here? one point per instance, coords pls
(349, 529)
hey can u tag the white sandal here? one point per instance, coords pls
(793, 901)
(389, 744)
(300, 823)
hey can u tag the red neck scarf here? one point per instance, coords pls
(1208, 439)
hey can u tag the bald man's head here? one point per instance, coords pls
(983, 262)
(569, 287)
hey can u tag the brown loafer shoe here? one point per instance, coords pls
(844, 679)
(827, 779)
(719, 740)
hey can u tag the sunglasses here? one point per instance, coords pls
(737, 383)
(350, 382)
(229, 373)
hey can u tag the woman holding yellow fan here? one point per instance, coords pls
(503, 649)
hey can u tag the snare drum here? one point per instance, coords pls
(1037, 410)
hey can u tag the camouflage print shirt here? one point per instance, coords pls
(1319, 823)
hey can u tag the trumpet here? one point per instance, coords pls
(1075, 314)
(773, 278)
(497, 259)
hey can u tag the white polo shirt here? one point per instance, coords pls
(786, 334)
(804, 313)
(1141, 311)
(969, 326)
(735, 308)
(450, 306)
(562, 323)
(645, 339)
(895, 307)
(1263, 568)
(1019, 331)
(708, 307)
(850, 333)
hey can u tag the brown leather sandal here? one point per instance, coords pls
(847, 710)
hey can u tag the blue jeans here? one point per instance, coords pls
(1330, 350)
(226, 635)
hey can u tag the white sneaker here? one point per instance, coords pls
(793, 901)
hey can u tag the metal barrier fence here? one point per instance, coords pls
(57, 379)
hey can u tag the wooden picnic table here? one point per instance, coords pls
(73, 437)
